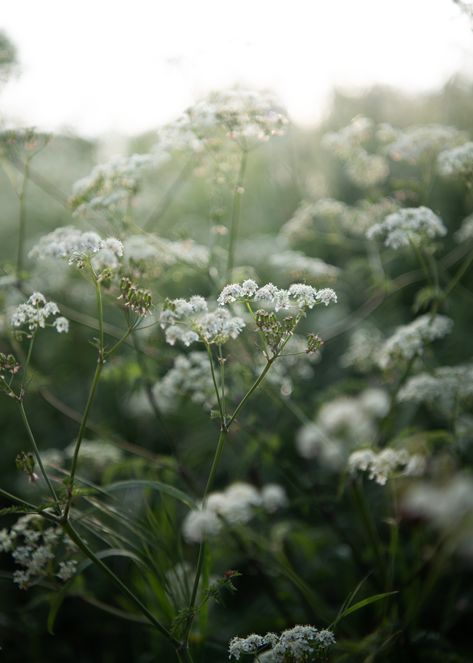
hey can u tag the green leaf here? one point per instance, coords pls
(160, 487)
(361, 604)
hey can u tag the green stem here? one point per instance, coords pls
(22, 222)
(214, 380)
(369, 528)
(200, 560)
(235, 221)
(248, 394)
(80, 435)
(36, 452)
(80, 543)
(463, 268)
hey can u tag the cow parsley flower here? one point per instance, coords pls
(417, 144)
(383, 465)
(34, 548)
(465, 232)
(236, 504)
(411, 225)
(189, 321)
(109, 184)
(297, 264)
(299, 644)
(35, 313)
(75, 246)
(409, 341)
(299, 295)
(444, 387)
(457, 162)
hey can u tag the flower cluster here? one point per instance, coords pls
(190, 376)
(445, 505)
(236, 504)
(300, 644)
(411, 225)
(243, 116)
(111, 183)
(34, 548)
(340, 424)
(408, 341)
(298, 295)
(457, 162)
(34, 314)
(298, 265)
(446, 387)
(77, 247)
(327, 215)
(189, 321)
(363, 168)
(153, 251)
(423, 143)
(95, 455)
(386, 463)
(465, 232)
(365, 343)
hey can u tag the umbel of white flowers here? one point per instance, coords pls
(35, 313)
(190, 320)
(237, 504)
(299, 644)
(411, 225)
(75, 246)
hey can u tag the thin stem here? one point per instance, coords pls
(36, 452)
(98, 293)
(200, 560)
(22, 222)
(463, 268)
(80, 435)
(235, 220)
(248, 394)
(80, 543)
(217, 391)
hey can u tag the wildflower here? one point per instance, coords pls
(299, 295)
(418, 144)
(110, 184)
(363, 348)
(34, 314)
(409, 225)
(457, 162)
(236, 504)
(444, 387)
(76, 247)
(299, 644)
(383, 465)
(190, 321)
(34, 548)
(67, 570)
(408, 341)
(465, 233)
(297, 264)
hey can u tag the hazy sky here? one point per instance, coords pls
(129, 65)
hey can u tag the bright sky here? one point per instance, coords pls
(129, 65)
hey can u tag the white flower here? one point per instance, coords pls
(62, 325)
(384, 464)
(34, 314)
(67, 570)
(273, 497)
(189, 321)
(409, 225)
(424, 142)
(457, 162)
(408, 341)
(75, 246)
